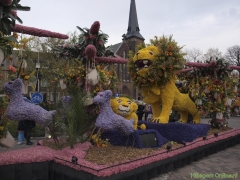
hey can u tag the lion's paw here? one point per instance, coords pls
(195, 122)
(156, 120)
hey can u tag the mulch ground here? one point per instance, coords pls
(111, 154)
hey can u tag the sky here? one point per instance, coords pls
(199, 24)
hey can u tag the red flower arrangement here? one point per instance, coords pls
(38, 32)
(95, 28)
(12, 69)
(90, 51)
(14, 13)
(111, 60)
(5, 2)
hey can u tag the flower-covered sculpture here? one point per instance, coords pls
(38, 32)
(126, 108)
(212, 85)
(153, 70)
(19, 110)
(107, 119)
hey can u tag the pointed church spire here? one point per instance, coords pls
(133, 28)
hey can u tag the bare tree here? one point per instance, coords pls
(73, 37)
(233, 55)
(193, 55)
(212, 53)
(44, 44)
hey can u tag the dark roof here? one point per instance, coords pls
(115, 47)
(133, 27)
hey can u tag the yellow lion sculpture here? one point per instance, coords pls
(166, 97)
(125, 107)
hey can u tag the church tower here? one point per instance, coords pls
(133, 27)
(133, 36)
(129, 42)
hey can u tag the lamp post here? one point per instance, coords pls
(37, 98)
(37, 67)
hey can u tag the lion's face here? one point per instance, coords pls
(123, 106)
(144, 58)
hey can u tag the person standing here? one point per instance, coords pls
(20, 132)
(146, 111)
(28, 125)
(140, 111)
(28, 130)
(150, 116)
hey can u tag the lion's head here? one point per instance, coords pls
(156, 64)
(123, 106)
(144, 58)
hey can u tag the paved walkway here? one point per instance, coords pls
(227, 161)
(21, 146)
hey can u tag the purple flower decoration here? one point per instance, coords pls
(66, 100)
(107, 119)
(19, 110)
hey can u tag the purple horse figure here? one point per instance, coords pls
(107, 119)
(19, 110)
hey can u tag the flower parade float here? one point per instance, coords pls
(121, 150)
(44, 162)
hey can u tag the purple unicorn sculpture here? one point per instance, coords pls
(18, 109)
(107, 119)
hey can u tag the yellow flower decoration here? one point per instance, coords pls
(154, 70)
(126, 108)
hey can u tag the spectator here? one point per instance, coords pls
(150, 112)
(146, 111)
(140, 111)
(28, 125)
(20, 132)
(28, 130)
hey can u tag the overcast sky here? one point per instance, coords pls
(200, 24)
